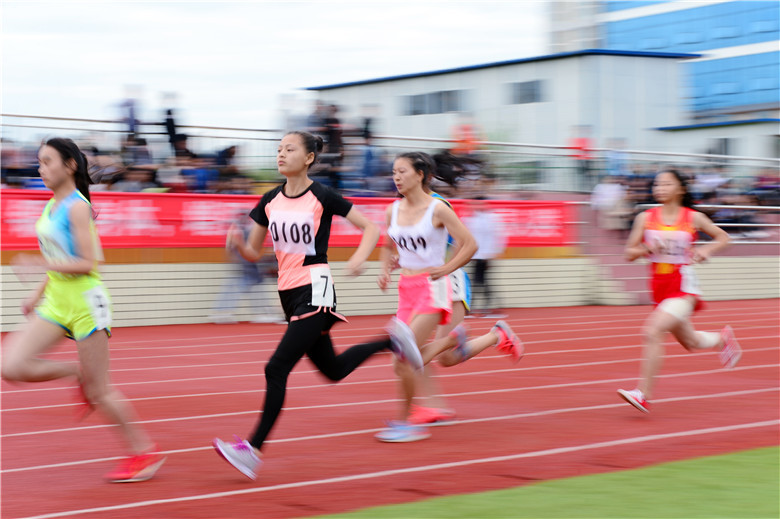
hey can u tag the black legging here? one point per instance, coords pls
(312, 337)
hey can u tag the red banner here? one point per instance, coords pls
(157, 220)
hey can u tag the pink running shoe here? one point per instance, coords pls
(430, 416)
(508, 342)
(731, 351)
(139, 467)
(636, 399)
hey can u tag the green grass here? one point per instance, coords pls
(740, 485)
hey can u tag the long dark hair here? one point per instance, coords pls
(312, 143)
(687, 198)
(69, 150)
(443, 166)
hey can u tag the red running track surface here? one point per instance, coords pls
(553, 415)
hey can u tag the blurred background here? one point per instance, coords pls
(575, 102)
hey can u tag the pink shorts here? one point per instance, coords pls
(419, 294)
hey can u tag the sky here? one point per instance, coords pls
(231, 63)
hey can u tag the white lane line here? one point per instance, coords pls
(361, 432)
(417, 469)
(363, 382)
(349, 404)
(374, 366)
(272, 337)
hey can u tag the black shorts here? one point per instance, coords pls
(296, 304)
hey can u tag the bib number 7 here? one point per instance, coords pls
(322, 293)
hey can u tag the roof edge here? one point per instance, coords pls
(717, 124)
(467, 68)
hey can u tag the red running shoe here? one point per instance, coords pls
(430, 416)
(139, 467)
(508, 342)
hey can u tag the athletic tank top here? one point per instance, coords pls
(421, 245)
(55, 235)
(672, 243)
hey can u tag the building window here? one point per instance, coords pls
(525, 92)
(724, 32)
(763, 26)
(652, 43)
(725, 88)
(434, 103)
(764, 83)
(687, 37)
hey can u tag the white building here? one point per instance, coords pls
(538, 100)
(545, 100)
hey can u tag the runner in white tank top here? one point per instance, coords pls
(417, 232)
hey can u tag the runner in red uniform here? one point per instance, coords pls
(298, 215)
(666, 235)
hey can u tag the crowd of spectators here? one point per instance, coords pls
(618, 198)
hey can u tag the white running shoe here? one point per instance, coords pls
(404, 344)
(402, 432)
(240, 454)
(635, 398)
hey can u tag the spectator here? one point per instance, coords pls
(486, 227)
(135, 180)
(465, 135)
(582, 144)
(247, 278)
(611, 205)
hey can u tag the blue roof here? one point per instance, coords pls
(586, 52)
(714, 125)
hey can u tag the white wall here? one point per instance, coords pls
(158, 294)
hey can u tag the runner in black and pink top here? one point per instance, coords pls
(298, 216)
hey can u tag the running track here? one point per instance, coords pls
(555, 414)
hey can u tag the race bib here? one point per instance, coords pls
(690, 282)
(321, 287)
(99, 306)
(410, 242)
(669, 246)
(458, 282)
(292, 232)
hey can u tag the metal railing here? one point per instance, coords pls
(517, 166)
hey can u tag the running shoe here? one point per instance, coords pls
(403, 343)
(402, 432)
(430, 415)
(732, 351)
(240, 454)
(460, 335)
(83, 406)
(508, 342)
(636, 399)
(138, 467)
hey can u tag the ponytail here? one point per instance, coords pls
(443, 166)
(68, 150)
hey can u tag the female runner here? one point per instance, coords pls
(418, 226)
(298, 215)
(666, 235)
(76, 306)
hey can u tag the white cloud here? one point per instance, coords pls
(230, 61)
